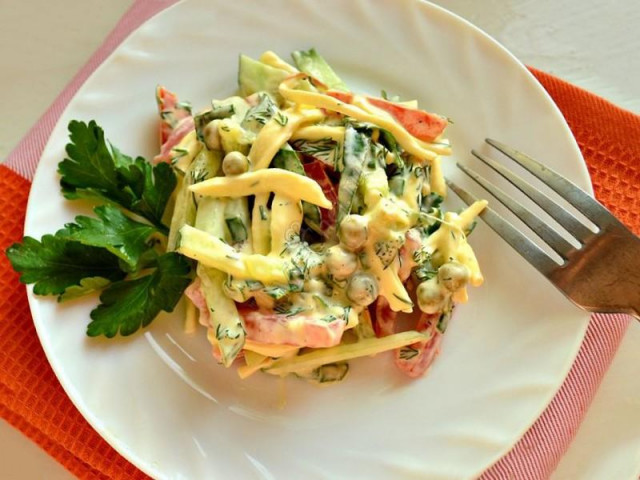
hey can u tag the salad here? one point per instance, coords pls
(301, 222)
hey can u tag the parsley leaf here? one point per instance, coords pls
(114, 231)
(152, 187)
(87, 285)
(117, 252)
(128, 305)
(95, 170)
(55, 263)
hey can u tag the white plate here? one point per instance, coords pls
(505, 355)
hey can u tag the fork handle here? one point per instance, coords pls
(605, 277)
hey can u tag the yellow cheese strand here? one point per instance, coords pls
(276, 132)
(214, 253)
(362, 348)
(268, 180)
(407, 141)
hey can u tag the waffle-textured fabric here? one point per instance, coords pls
(33, 401)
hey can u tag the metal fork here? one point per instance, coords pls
(603, 273)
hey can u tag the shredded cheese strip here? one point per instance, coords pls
(407, 141)
(213, 252)
(180, 205)
(269, 349)
(190, 316)
(273, 60)
(364, 347)
(466, 256)
(451, 243)
(365, 105)
(261, 220)
(319, 132)
(436, 178)
(389, 283)
(276, 132)
(224, 317)
(286, 221)
(245, 371)
(469, 214)
(253, 358)
(269, 180)
(412, 191)
(183, 154)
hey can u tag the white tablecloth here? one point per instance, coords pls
(590, 43)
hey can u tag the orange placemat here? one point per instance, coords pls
(31, 398)
(609, 138)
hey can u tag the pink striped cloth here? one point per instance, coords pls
(536, 455)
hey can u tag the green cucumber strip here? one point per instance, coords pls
(237, 229)
(218, 112)
(288, 159)
(356, 154)
(258, 115)
(312, 63)
(255, 76)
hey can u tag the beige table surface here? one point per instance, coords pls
(590, 43)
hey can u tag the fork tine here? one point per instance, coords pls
(584, 203)
(525, 247)
(570, 223)
(540, 228)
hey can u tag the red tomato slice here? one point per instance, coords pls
(415, 359)
(384, 318)
(317, 171)
(176, 134)
(423, 125)
(170, 112)
(303, 329)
